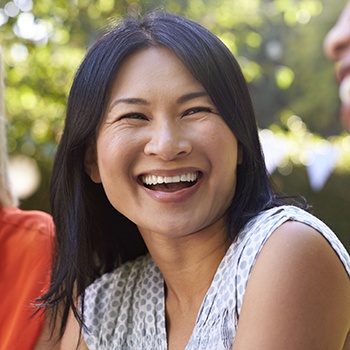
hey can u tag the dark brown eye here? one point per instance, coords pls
(198, 110)
(134, 116)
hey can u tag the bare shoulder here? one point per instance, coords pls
(298, 295)
(71, 340)
(46, 340)
(72, 337)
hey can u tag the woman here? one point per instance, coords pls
(337, 48)
(164, 210)
(26, 238)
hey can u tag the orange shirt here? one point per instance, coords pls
(26, 240)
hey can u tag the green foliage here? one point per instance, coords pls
(277, 42)
(44, 42)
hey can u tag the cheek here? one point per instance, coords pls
(114, 167)
(220, 145)
(225, 155)
(114, 149)
(224, 146)
(117, 161)
(111, 158)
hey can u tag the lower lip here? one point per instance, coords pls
(345, 116)
(174, 197)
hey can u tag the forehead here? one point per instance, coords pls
(150, 67)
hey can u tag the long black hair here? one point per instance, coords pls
(93, 237)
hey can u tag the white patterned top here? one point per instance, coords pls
(124, 309)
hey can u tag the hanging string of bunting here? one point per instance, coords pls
(320, 156)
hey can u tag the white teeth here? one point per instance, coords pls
(167, 179)
(183, 177)
(160, 179)
(154, 180)
(344, 90)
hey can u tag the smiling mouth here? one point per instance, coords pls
(170, 183)
(344, 90)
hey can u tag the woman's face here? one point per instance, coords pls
(337, 48)
(166, 159)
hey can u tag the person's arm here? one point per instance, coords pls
(298, 295)
(69, 340)
(45, 340)
(71, 336)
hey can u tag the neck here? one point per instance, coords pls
(188, 263)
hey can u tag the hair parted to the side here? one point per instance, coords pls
(92, 237)
(7, 197)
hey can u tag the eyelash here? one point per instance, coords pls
(134, 116)
(197, 110)
(190, 111)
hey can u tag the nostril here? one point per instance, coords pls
(337, 42)
(168, 147)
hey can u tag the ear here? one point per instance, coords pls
(90, 163)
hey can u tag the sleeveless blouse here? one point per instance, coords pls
(125, 309)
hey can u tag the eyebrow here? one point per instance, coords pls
(141, 101)
(129, 101)
(191, 96)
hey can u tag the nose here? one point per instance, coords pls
(168, 141)
(337, 41)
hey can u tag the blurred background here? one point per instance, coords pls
(277, 42)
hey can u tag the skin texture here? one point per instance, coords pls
(45, 341)
(155, 126)
(71, 336)
(161, 122)
(298, 296)
(298, 286)
(337, 48)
